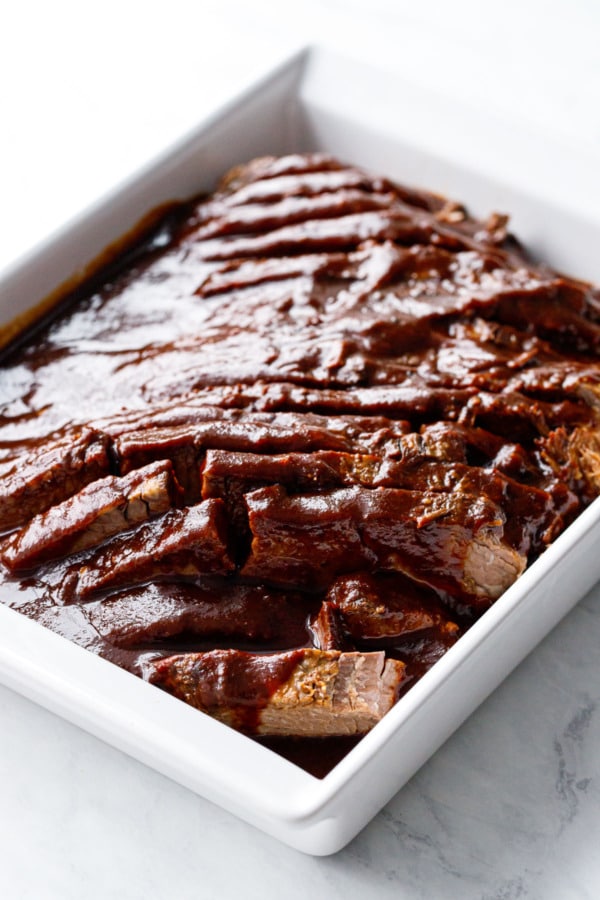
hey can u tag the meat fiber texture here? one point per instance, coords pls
(326, 421)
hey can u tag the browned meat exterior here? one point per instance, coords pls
(251, 614)
(49, 474)
(186, 542)
(99, 511)
(384, 607)
(264, 433)
(231, 475)
(326, 628)
(574, 458)
(386, 611)
(453, 542)
(305, 693)
(326, 421)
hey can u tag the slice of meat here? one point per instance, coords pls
(344, 232)
(229, 475)
(99, 511)
(52, 473)
(395, 613)
(254, 432)
(184, 542)
(178, 444)
(529, 511)
(326, 629)
(184, 445)
(453, 542)
(278, 187)
(244, 273)
(305, 539)
(574, 458)
(268, 167)
(300, 693)
(247, 614)
(559, 311)
(235, 402)
(387, 607)
(221, 219)
(521, 417)
(415, 400)
(225, 472)
(499, 358)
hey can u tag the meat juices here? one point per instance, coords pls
(282, 454)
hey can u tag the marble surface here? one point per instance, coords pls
(510, 806)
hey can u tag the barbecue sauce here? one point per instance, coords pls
(297, 344)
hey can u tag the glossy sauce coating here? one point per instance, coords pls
(375, 412)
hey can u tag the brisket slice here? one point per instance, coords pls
(277, 187)
(99, 511)
(520, 418)
(222, 219)
(184, 445)
(300, 693)
(235, 406)
(574, 458)
(249, 273)
(268, 167)
(51, 474)
(510, 415)
(184, 542)
(250, 614)
(388, 612)
(387, 607)
(326, 629)
(560, 311)
(529, 510)
(452, 542)
(258, 432)
(448, 442)
(344, 232)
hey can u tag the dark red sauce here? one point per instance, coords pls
(315, 409)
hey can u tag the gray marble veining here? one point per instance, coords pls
(508, 808)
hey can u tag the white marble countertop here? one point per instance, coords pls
(510, 806)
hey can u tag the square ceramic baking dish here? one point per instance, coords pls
(319, 101)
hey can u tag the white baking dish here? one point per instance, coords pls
(318, 101)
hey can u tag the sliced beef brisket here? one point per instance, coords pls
(49, 474)
(452, 542)
(214, 609)
(96, 513)
(305, 693)
(296, 442)
(184, 542)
